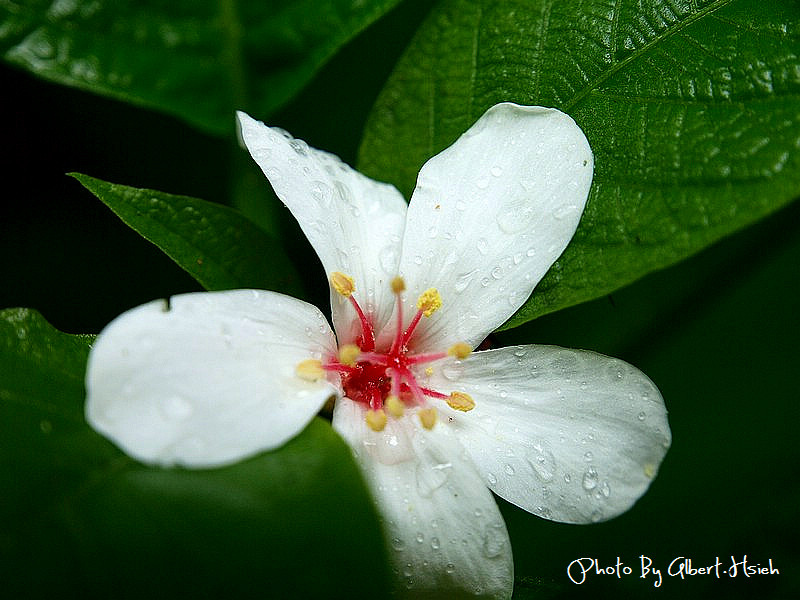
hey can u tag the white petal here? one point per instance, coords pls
(490, 215)
(207, 379)
(569, 435)
(355, 224)
(446, 534)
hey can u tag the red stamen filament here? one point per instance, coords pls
(411, 382)
(418, 359)
(410, 331)
(367, 332)
(337, 366)
(398, 338)
(433, 393)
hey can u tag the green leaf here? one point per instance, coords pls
(79, 517)
(692, 109)
(197, 60)
(215, 244)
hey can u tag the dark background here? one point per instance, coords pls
(717, 333)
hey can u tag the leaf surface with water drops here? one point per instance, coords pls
(692, 110)
(197, 60)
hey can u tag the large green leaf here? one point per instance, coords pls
(199, 60)
(215, 244)
(79, 517)
(692, 109)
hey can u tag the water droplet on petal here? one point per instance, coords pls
(483, 246)
(463, 280)
(482, 183)
(590, 479)
(641, 416)
(430, 478)
(494, 540)
(435, 543)
(543, 462)
(497, 170)
(322, 193)
(299, 146)
(450, 567)
(605, 489)
(398, 544)
(453, 371)
(508, 469)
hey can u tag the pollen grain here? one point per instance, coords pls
(343, 284)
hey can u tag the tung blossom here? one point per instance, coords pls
(208, 379)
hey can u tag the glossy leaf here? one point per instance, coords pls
(692, 109)
(215, 244)
(197, 60)
(79, 517)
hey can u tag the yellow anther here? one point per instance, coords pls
(398, 285)
(460, 350)
(376, 419)
(429, 301)
(310, 370)
(429, 371)
(343, 284)
(395, 406)
(427, 416)
(461, 401)
(348, 354)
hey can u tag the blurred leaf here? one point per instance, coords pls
(692, 110)
(78, 516)
(197, 60)
(215, 244)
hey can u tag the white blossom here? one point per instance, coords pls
(208, 379)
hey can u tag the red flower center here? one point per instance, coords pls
(387, 379)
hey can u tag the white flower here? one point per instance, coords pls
(210, 378)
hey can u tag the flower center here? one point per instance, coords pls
(386, 380)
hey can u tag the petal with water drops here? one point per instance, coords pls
(354, 223)
(208, 378)
(490, 215)
(446, 535)
(568, 435)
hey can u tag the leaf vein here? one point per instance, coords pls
(636, 54)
